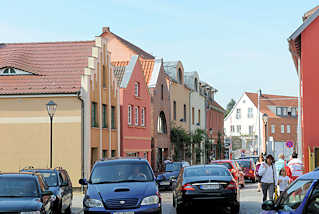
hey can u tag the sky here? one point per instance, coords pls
(236, 46)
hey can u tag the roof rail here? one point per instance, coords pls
(59, 168)
(28, 168)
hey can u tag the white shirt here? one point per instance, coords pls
(296, 167)
(267, 174)
(283, 182)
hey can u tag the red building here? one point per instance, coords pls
(304, 46)
(135, 110)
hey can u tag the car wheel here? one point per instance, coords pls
(235, 208)
(242, 185)
(68, 210)
(179, 209)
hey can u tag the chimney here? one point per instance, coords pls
(106, 29)
(260, 94)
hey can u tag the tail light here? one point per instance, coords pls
(188, 187)
(232, 185)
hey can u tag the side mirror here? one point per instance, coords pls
(268, 205)
(83, 181)
(64, 184)
(47, 193)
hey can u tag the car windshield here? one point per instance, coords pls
(171, 167)
(18, 187)
(50, 178)
(205, 171)
(117, 172)
(228, 165)
(244, 163)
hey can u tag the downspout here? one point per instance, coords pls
(258, 115)
(190, 123)
(100, 116)
(299, 133)
(110, 107)
(82, 137)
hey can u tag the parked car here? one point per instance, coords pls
(121, 186)
(204, 184)
(255, 158)
(167, 178)
(248, 168)
(25, 193)
(302, 196)
(60, 184)
(234, 169)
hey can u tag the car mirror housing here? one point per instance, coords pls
(83, 181)
(268, 205)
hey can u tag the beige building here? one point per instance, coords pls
(77, 77)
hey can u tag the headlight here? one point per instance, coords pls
(150, 200)
(32, 212)
(93, 203)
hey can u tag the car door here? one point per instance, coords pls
(178, 188)
(45, 199)
(312, 205)
(65, 192)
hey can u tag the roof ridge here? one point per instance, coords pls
(52, 42)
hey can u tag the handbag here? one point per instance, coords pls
(275, 196)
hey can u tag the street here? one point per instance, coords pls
(250, 201)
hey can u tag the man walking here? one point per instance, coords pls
(296, 166)
(280, 163)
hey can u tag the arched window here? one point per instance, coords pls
(196, 85)
(161, 123)
(180, 76)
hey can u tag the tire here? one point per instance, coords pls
(235, 208)
(242, 185)
(179, 209)
(68, 210)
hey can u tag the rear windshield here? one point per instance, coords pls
(171, 167)
(18, 187)
(121, 172)
(244, 164)
(228, 165)
(205, 171)
(50, 178)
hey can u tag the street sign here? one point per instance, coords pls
(289, 144)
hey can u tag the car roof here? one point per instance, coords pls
(18, 174)
(311, 175)
(119, 160)
(223, 161)
(206, 165)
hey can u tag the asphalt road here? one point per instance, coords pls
(250, 202)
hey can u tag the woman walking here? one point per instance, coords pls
(260, 161)
(268, 174)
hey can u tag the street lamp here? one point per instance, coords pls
(265, 119)
(51, 108)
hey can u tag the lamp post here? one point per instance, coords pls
(265, 119)
(51, 108)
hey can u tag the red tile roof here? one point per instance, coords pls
(214, 103)
(56, 66)
(273, 100)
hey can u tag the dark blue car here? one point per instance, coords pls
(167, 178)
(24, 193)
(125, 186)
(301, 197)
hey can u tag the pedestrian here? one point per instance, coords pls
(283, 180)
(280, 163)
(258, 178)
(296, 166)
(268, 174)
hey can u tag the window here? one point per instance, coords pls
(184, 113)
(293, 112)
(113, 153)
(250, 113)
(104, 120)
(136, 116)
(278, 111)
(143, 117)
(193, 115)
(238, 128)
(195, 85)
(273, 129)
(113, 118)
(288, 128)
(104, 77)
(137, 89)
(162, 91)
(161, 123)
(8, 71)
(198, 117)
(104, 154)
(94, 115)
(284, 111)
(282, 128)
(313, 201)
(238, 112)
(180, 76)
(232, 128)
(129, 115)
(251, 130)
(174, 110)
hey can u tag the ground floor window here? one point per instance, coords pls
(132, 154)
(113, 153)
(316, 157)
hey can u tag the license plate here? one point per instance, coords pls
(165, 183)
(123, 213)
(209, 186)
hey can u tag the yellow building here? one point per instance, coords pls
(77, 76)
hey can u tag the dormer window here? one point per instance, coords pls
(10, 71)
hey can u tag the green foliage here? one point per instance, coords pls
(230, 106)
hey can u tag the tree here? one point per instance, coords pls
(180, 140)
(230, 106)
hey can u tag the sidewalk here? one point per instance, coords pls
(77, 202)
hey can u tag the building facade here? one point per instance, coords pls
(303, 45)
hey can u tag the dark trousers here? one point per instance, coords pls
(267, 188)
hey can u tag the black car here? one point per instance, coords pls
(172, 169)
(24, 193)
(60, 184)
(205, 184)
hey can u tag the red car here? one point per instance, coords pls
(249, 168)
(234, 169)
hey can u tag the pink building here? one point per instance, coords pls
(135, 110)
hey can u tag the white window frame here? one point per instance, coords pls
(136, 115)
(251, 129)
(250, 112)
(282, 129)
(288, 129)
(278, 111)
(238, 113)
(143, 116)
(293, 112)
(285, 111)
(137, 89)
(129, 114)
(238, 128)
(232, 128)
(273, 129)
